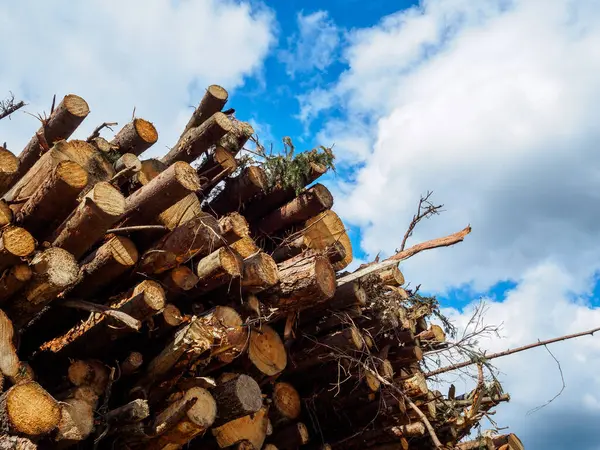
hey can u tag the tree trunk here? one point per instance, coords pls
(259, 273)
(239, 190)
(132, 363)
(16, 244)
(181, 212)
(76, 422)
(9, 361)
(28, 410)
(219, 268)
(306, 280)
(51, 204)
(178, 281)
(234, 227)
(197, 237)
(162, 192)
(67, 116)
(13, 280)
(252, 428)
(291, 437)
(97, 212)
(308, 204)
(103, 266)
(136, 137)
(213, 101)
(236, 398)
(246, 247)
(198, 140)
(9, 167)
(286, 405)
(195, 421)
(235, 140)
(53, 271)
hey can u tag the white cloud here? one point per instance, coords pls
(314, 46)
(157, 56)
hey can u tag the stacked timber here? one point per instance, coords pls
(152, 303)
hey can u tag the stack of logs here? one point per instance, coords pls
(149, 303)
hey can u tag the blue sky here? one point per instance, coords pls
(492, 104)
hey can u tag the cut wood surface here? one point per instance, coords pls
(212, 102)
(286, 404)
(266, 351)
(260, 272)
(16, 244)
(9, 360)
(181, 212)
(252, 428)
(236, 398)
(9, 167)
(234, 227)
(218, 268)
(136, 137)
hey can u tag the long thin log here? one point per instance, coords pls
(119, 316)
(509, 352)
(405, 254)
(239, 190)
(16, 244)
(12, 107)
(136, 137)
(212, 102)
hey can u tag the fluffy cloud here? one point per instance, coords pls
(313, 47)
(156, 56)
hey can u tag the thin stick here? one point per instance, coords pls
(96, 132)
(122, 317)
(11, 108)
(405, 254)
(136, 228)
(510, 352)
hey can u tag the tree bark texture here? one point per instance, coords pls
(136, 137)
(239, 190)
(213, 101)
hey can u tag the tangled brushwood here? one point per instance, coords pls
(152, 304)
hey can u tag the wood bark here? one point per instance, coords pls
(306, 280)
(28, 410)
(67, 116)
(259, 273)
(134, 411)
(9, 167)
(212, 102)
(132, 363)
(53, 270)
(286, 405)
(125, 167)
(162, 192)
(308, 204)
(195, 238)
(136, 137)
(316, 326)
(291, 437)
(239, 190)
(98, 211)
(198, 140)
(9, 361)
(8, 442)
(178, 281)
(52, 202)
(234, 227)
(235, 139)
(252, 428)
(236, 398)
(16, 244)
(217, 269)
(13, 280)
(218, 163)
(104, 265)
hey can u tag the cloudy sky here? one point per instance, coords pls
(492, 104)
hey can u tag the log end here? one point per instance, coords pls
(76, 106)
(123, 251)
(22, 272)
(266, 351)
(146, 130)
(286, 400)
(154, 294)
(18, 241)
(57, 265)
(31, 410)
(325, 277)
(218, 92)
(183, 277)
(72, 174)
(204, 411)
(9, 163)
(6, 214)
(108, 199)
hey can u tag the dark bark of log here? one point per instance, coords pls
(331, 321)
(62, 123)
(28, 410)
(306, 280)
(13, 280)
(104, 266)
(218, 162)
(276, 197)
(125, 168)
(286, 405)
(134, 411)
(306, 205)
(195, 238)
(9, 167)
(234, 227)
(198, 140)
(213, 101)
(235, 140)
(51, 204)
(16, 244)
(136, 137)
(132, 363)
(53, 271)
(97, 212)
(291, 437)
(239, 190)
(236, 398)
(162, 192)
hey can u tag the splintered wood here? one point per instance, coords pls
(198, 301)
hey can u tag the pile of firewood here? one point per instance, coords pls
(155, 304)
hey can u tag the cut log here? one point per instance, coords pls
(391, 276)
(6, 214)
(239, 190)
(9, 167)
(181, 212)
(50, 205)
(76, 421)
(102, 145)
(27, 409)
(53, 271)
(234, 227)
(67, 116)
(277, 196)
(167, 321)
(317, 325)
(16, 244)
(245, 247)
(415, 386)
(266, 351)
(306, 280)
(198, 140)
(133, 411)
(286, 405)
(9, 361)
(291, 437)
(125, 168)
(8, 442)
(162, 192)
(89, 373)
(98, 332)
(13, 280)
(218, 163)
(236, 398)
(259, 273)
(434, 334)
(195, 238)
(103, 266)
(136, 137)
(178, 281)
(511, 441)
(102, 206)
(335, 252)
(212, 102)
(132, 363)
(306, 205)
(197, 419)
(346, 296)
(252, 428)
(217, 269)
(235, 139)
